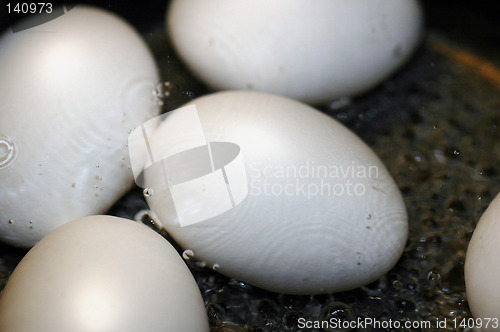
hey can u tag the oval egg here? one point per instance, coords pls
(282, 197)
(102, 273)
(482, 267)
(314, 51)
(71, 90)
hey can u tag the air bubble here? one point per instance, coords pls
(162, 90)
(11, 221)
(147, 217)
(216, 267)
(434, 276)
(337, 311)
(188, 254)
(8, 152)
(148, 192)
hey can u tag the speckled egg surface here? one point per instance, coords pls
(311, 51)
(321, 213)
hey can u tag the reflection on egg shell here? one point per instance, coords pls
(102, 273)
(314, 51)
(482, 267)
(320, 212)
(71, 90)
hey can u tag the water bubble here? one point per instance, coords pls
(148, 192)
(189, 94)
(453, 152)
(187, 254)
(8, 152)
(147, 217)
(11, 221)
(337, 311)
(162, 90)
(434, 276)
(398, 284)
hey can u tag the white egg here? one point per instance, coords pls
(106, 274)
(314, 51)
(294, 202)
(71, 90)
(482, 268)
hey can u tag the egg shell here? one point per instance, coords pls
(287, 236)
(482, 267)
(71, 90)
(314, 51)
(102, 273)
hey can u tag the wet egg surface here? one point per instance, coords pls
(70, 91)
(313, 213)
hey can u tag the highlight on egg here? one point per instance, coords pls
(272, 192)
(102, 273)
(71, 90)
(482, 268)
(314, 51)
